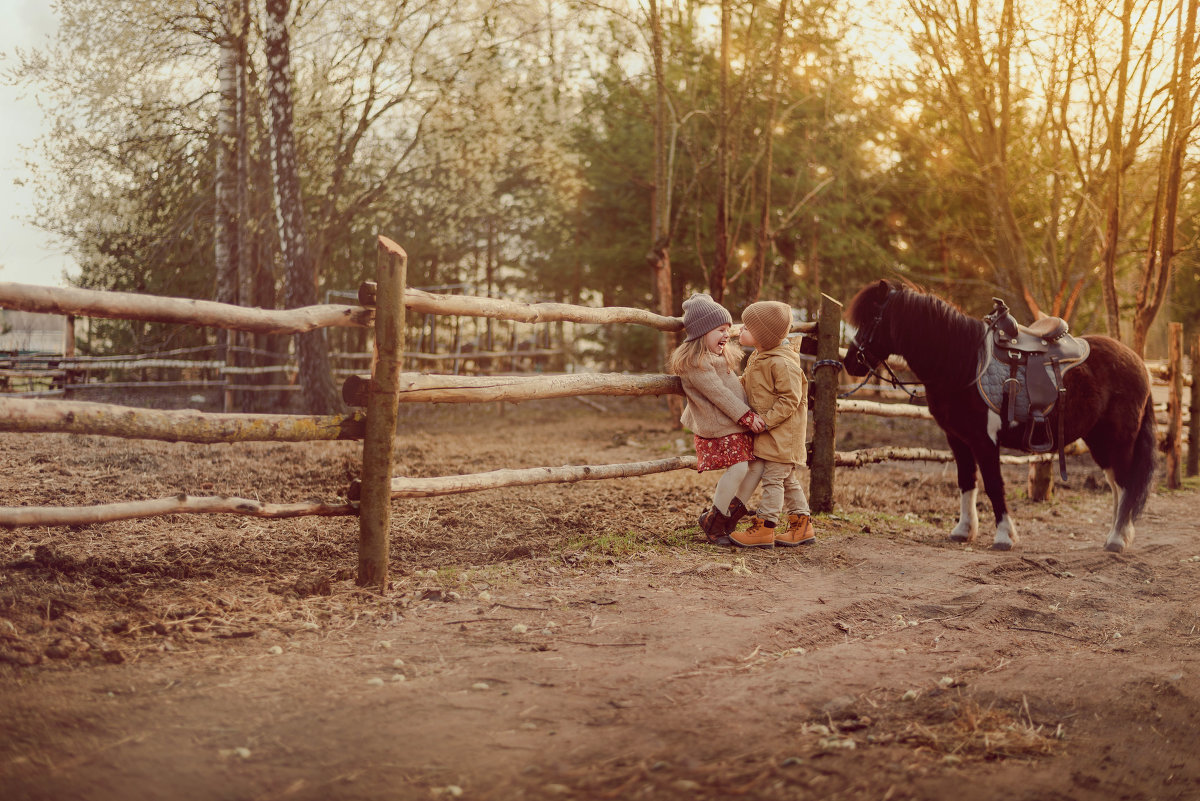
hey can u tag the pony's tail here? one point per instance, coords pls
(1139, 476)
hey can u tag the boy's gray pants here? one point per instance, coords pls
(781, 491)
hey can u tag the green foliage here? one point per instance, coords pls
(509, 147)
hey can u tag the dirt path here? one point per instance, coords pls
(544, 651)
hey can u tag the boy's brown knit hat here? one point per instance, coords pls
(702, 314)
(769, 322)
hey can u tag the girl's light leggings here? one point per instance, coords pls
(739, 481)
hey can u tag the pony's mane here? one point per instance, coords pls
(922, 316)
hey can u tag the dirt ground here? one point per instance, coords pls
(575, 641)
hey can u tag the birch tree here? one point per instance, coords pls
(316, 375)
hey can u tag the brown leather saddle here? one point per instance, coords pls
(1020, 376)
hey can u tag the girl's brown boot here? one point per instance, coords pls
(759, 535)
(737, 510)
(714, 525)
(799, 531)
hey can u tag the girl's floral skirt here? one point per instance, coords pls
(722, 452)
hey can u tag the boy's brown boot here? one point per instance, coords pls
(799, 531)
(759, 535)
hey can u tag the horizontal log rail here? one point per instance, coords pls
(867, 456)
(520, 312)
(425, 487)
(82, 417)
(484, 354)
(497, 309)
(82, 365)
(406, 487)
(199, 383)
(422, 388)
(908, 410)
(155, 309)
(13, 516)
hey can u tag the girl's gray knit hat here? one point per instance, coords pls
(702, 314)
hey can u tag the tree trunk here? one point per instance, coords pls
(1160, 250)
(226, 181)
(1193, 451)
(716, 283)
(316, 375)
(245, 275)
(659, 257)
(1116, 167)
(764, 220)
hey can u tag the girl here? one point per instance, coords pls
(717, 414)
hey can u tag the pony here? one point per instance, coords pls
(1107, 403)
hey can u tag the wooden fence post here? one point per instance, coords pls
(1193, 452)
(1174, 403)
(825, 379)
(69, 336)
(375, 507)
(1040, 483)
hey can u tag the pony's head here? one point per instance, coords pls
(872, 341)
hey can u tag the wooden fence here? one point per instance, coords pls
(382, 307)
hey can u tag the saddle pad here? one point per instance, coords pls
(993, 373)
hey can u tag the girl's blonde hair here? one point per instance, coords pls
(690, 355)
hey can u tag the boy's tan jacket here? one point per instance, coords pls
(715, 399)
(778, 391)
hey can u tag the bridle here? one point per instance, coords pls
(862, 340)
(863, 337)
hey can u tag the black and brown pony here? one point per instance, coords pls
(1107, 403)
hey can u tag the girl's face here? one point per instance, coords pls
(714, 340)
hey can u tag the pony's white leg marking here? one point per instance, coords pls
(993, 425)
(1116, 492)
(1006, 534)
(968, 518)
(1118, 538)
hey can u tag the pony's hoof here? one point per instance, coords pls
(1002, 546)
(1114, 547)
(956, 536)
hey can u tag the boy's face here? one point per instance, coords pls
(747, 339)
(715, 339)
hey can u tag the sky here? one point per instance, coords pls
(28, 255)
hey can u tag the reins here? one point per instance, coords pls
(892, 379)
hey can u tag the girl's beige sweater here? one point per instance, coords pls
(715, 399)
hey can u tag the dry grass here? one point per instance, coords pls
(963, 729)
